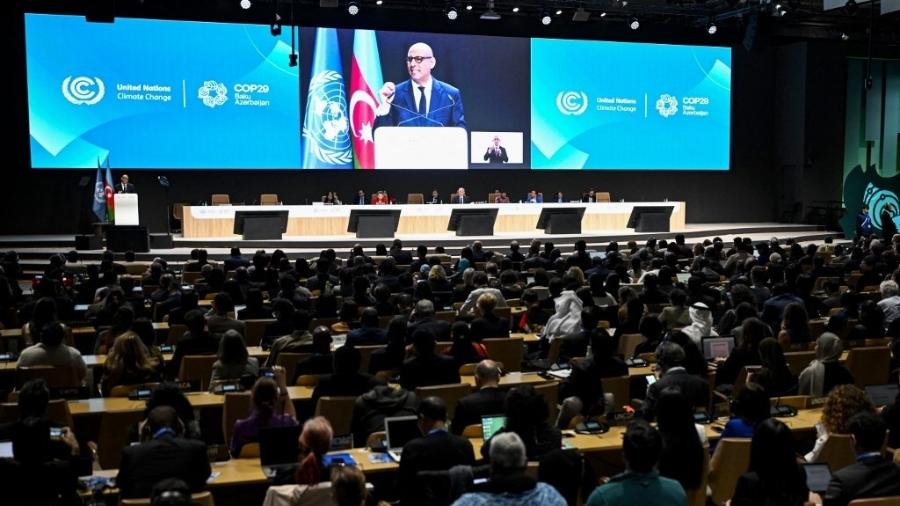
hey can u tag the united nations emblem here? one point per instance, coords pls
(327, 126)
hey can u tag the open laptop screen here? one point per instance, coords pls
(491, 424)
(717, 347)
(400, 430)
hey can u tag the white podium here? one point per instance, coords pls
(421, 148)
(126, 209)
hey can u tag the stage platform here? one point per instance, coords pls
(40, 246)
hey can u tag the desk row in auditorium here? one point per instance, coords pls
(218, 221)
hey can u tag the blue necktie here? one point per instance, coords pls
(421, 108)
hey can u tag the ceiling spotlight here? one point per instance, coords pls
(275, 27)
(711, 28)
(490, 14)
(379, 2)
(245, 4)
(545, 18)
(845, 37)
(603, 14)
(452, 13)
(353, 8)
(558, 12)
(469, 7)
(634, 23)
(515, 9)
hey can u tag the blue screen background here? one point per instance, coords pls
(588, 138)
(181, 133)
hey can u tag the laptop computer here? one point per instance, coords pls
(398, 431)
(6, 450)
(717, 347)
(491, 424)
(882, 395)
(817, 477)
(278, 449)
(683, 277)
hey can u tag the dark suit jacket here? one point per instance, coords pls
(470, 409)
(874, 477)
(231, 263)
(427, 371)
(489, 326)
(129, 188)
(207, 345)
(366, 336)
(491, 157)
(445, 109)
(440, 328)
(695, 388)
(146, 464)
(337, 385)
(438, 451)
(455, 199)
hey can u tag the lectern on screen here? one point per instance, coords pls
(374, 222)
(260, 224)
(561, 220)
(650, 218)
(473, 221)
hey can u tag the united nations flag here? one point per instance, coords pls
(326, 125)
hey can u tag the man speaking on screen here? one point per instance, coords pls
(422, 100)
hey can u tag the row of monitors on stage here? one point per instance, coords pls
(272, 224)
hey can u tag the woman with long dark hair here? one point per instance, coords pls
(682, 455)
(775, 376)
(774, 478)
(271, 408)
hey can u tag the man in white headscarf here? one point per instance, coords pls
(566, 322)
(701, 323)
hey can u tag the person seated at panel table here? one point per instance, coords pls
(360, 199)
(331, 198)
(435, 198)
(534, 197)
(381, 198)
(558, 197)
(460, 197)
(503, 198)
(590, 196)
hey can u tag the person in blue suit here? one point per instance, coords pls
(422, 100)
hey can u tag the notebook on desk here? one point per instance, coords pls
(278, 449)
(398, 431)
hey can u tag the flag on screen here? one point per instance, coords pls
(108, 192)
(365, 82)
(326, 140)
(98, 203)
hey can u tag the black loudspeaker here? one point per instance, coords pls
(90, 242)
(161, 241)
(127, 238)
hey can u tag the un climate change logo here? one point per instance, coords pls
(667, 105)
(876, 198)
(327, 127)
(572, 103)
(213, 94)
(83, 90)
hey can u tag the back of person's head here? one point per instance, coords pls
(650, 327)
(223, 303)
(772, 454)
(641, 445)
(347, 360)
(163, 419)
(348, 486)
(195, 322)
(168, 394)
(487, 371)
(753, 330)
(433, 409)
(264, 396)
(842, 403)
(34, 397)
(53, 334)
(171, 492)
(869, 431)
(525, 411)
(486, 303)
(300, 320)
(322, 339)
(590, 317)
(678, 297)
(397, 328)
(508, 454)
(232, 349)
(424, 308)
(423, 342)
(669, 355)
(369, 317)
(460, 331)
(751, 404)
(683, 453)
(603, 347)
(317, 435)
(480, 278)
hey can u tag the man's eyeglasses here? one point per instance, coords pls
(417, 59)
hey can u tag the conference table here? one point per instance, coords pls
(327, 220)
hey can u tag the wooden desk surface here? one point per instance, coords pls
(513, 379)
(77, 330)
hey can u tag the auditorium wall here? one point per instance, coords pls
(50, 201)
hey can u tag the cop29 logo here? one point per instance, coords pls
(572, 103)
(213, 94)
(876, 198)
(667, 105)
(83, 90)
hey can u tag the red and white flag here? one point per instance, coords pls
(365, 82)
